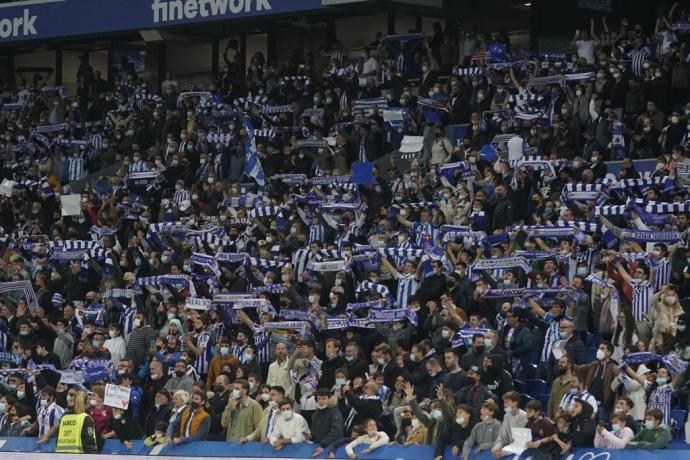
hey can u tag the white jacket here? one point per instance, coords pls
(293, 429)
(381, 439)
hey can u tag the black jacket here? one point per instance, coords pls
(356, 368)
(126, 428)
(328, 368)
(365, 407)
(327, 426)
(583, 428)
(155, 415)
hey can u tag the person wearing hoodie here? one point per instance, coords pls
(496, 378)
(583, 425)
(514, 418)
(456, 433)
(485, 433)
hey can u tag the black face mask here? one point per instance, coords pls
(194, 405)
(479, 349)
(218, 388)
(179, 373)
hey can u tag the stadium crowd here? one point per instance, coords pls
(235, 273)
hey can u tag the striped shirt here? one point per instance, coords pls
(642, 292)
(262, 340)
(48, 417)
(398, 259)
(300, 259)
(425, 234)
(660, 398)
(204, 358)
(662, 273)
(638, 57)
(138, 166)
(552, 335)
(180, 196)
(127, 320)
(407, 286)
(569, 398)
(317, 232)
(75, 168)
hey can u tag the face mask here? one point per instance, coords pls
(340, 382)
(137, 322)
(312, 299)
(488, 343)
(224, 351)
(681, 328)
(20, 394)
(600, 355)
(349, 358)
(649, 424)
(616, 426)
(563, 335)
(661, 380)
(382, 361)
(445, 333)
(287, 415)
(582, 271)
(460, 420)
(509, 410)
(3, 407)
(180, 373)
(436, 414)
(44, 402)
(236, 394)
(479, 349)
(595, 159)
(247, 357)
(96, 344)
(265, 397)
(333, 297)
(670, 300)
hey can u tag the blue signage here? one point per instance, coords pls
(41, 19)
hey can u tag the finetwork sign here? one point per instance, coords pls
(177, 10)
(20, 26)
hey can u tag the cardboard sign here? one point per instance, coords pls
(116, 396)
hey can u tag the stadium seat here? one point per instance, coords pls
(524, 399)
(589, 339)
(678, 422)
(530, 371)
(544, 398)
(590, 355)
(519, 385)
(535, 387)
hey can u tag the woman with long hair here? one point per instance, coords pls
(664, 311)
(624, 334)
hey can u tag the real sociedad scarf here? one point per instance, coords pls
(119, 293)
(465, 334)
(330, 266)
(387, 316)
(300, 326)
(380, 289)
(520, 292)
(364, 305)
(501, 262)
(270, 288)
(544, 231)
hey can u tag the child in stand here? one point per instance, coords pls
(357, 431)
(373, 437)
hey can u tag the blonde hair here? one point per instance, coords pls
(80, 402)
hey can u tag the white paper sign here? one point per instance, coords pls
(392, 115)
(521, 436)
(71, 205)
(116, 396)
(412, 144)
(6, 187)
(72, 377)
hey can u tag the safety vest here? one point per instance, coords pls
(69, 434)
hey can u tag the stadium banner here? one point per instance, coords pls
(35, 19)
(26, 448)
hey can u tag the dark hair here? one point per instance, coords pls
(629, 328)
(285, 401)
(279, 389)
(323, 392)
(627, 400)
(533, 404)
(608, 346)
(654, 413)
